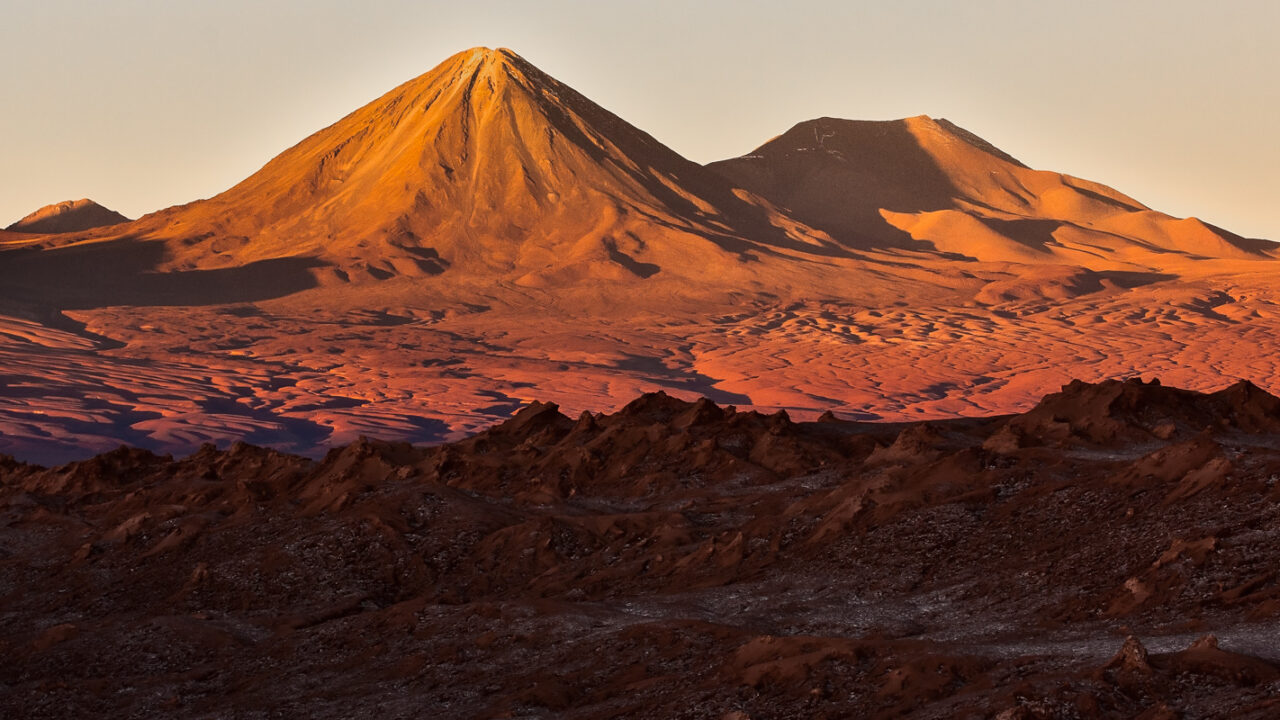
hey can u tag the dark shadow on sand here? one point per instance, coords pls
(122, 272)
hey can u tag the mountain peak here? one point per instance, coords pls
(480, 53)
(484, 164)
(953, 132)
(826, 133)
(68, 216)
(927, 183)
(488, 59)
(476, 67)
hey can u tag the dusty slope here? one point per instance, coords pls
(68, 216)
(920, 180)
(671, 560)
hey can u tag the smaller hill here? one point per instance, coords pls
(68, 216)
(927, 183)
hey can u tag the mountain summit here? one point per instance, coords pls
(489, 163)
(68, 216)
(928, 183)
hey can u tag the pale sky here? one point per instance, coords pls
(142, 104)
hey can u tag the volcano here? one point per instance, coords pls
(921, 182)
(483, 166)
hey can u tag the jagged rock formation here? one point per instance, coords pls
(672, 555)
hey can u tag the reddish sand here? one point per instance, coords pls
(483, 235)
(1109, 554)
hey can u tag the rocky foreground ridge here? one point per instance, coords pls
(1109, 553)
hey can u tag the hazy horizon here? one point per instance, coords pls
(141, 105)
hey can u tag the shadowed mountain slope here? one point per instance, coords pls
(922, 182)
